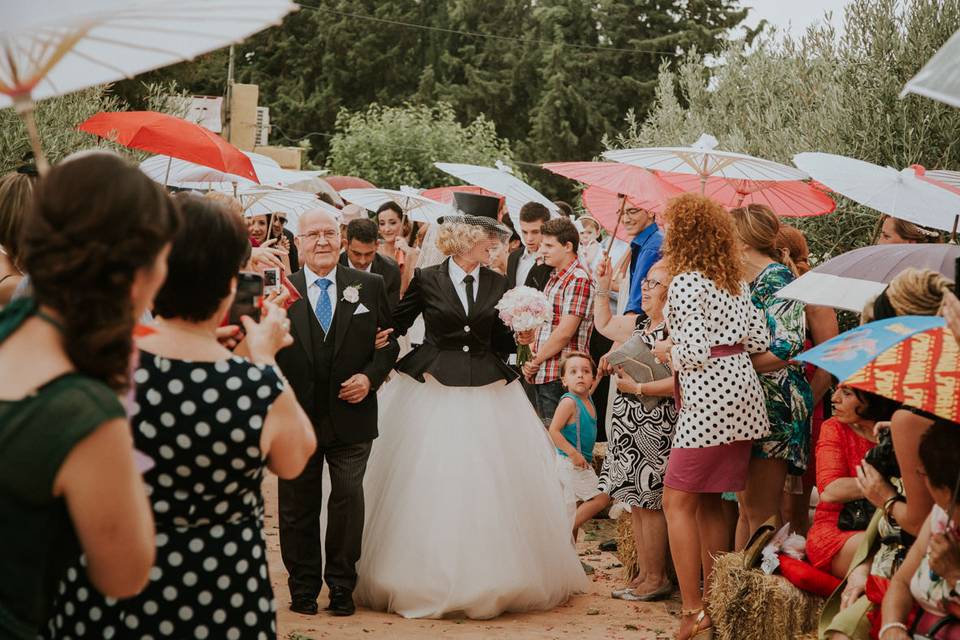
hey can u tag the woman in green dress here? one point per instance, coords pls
(787, 392)
(95, 247)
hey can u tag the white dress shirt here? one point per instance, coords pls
(527, 260)
(313, 290)
(353, 266)
(457, 275)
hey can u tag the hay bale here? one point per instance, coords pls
(599, 453)
(626, 550)
(746, 604)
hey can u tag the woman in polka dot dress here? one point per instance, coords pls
(210, 421)
(713, 329)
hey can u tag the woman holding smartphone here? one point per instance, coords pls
(212, 421)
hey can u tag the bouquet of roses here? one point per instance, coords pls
(523, 309)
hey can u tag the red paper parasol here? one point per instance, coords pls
(788, 198)
(621, 181)
(348, 182)
(445, 194)
(605, 207)
(171, 136)
(922, 371)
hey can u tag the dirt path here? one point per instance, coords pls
(589, 616)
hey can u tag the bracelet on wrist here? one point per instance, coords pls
(889, 504)
(889, 626)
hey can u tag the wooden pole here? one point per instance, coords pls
(623, 207)
(24, 106)
(166, 177)
(953, 233)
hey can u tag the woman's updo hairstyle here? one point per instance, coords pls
(96, 221)
(758, 227)
(913, 292)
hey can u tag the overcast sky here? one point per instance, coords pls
(793, 15)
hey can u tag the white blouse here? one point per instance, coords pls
(722, 398)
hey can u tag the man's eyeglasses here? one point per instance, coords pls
(649, 283)
(330, 235)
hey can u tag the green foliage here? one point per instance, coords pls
(57, 119)
(823, 92)
(395, 146)
(541, 78)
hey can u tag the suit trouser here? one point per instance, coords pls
(300, 507)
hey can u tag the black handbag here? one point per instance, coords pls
(882, 458)
(856, 515)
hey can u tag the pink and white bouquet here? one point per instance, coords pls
(523, 309)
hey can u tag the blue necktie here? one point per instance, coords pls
(324, 308)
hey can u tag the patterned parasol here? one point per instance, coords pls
(911, 359)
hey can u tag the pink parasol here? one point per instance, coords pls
(622, 182)
(788, 198)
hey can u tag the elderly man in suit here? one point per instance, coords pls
(361, 254)
(335, 370)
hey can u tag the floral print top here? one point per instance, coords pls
(932, 592)
(787, 391)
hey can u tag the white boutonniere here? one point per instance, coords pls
(352, 293)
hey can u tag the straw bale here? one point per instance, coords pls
(746, 604)
(626, 550)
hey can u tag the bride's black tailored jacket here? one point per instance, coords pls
(458, 351)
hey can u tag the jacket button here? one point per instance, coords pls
(466, 348)
(467, 328)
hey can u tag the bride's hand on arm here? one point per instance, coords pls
(383, 338)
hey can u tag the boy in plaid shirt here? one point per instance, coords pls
(570, 291)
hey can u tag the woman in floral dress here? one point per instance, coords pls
(788, 396)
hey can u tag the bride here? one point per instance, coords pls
(465, 514)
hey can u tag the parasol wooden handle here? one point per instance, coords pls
(616, 227)
(25, 107)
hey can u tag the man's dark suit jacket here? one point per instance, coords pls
(353, 352)
(537, 278)
(389, 269)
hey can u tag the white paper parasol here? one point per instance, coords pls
(499, 180)
(177, 173)
(54, 47)
(415, 206)
(939, 79)
(263, 201)
(900, 194)
(704, 160)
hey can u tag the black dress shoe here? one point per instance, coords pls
(341, 602)
(305, 605)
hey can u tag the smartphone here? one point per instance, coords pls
(247, 300)
(271, 280)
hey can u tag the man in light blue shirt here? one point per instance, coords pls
(644, 251)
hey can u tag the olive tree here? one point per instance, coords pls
(825, 91)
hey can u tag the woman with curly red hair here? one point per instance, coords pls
(713, 328)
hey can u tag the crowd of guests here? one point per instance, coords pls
(739, 436)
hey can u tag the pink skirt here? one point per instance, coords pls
(709, 469)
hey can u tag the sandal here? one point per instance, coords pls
(698, 632)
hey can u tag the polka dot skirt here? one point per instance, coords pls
(201, 424)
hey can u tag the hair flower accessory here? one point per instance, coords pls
(352, 293)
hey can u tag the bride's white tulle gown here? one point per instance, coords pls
(465, 514)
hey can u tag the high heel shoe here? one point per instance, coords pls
(697, 633)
